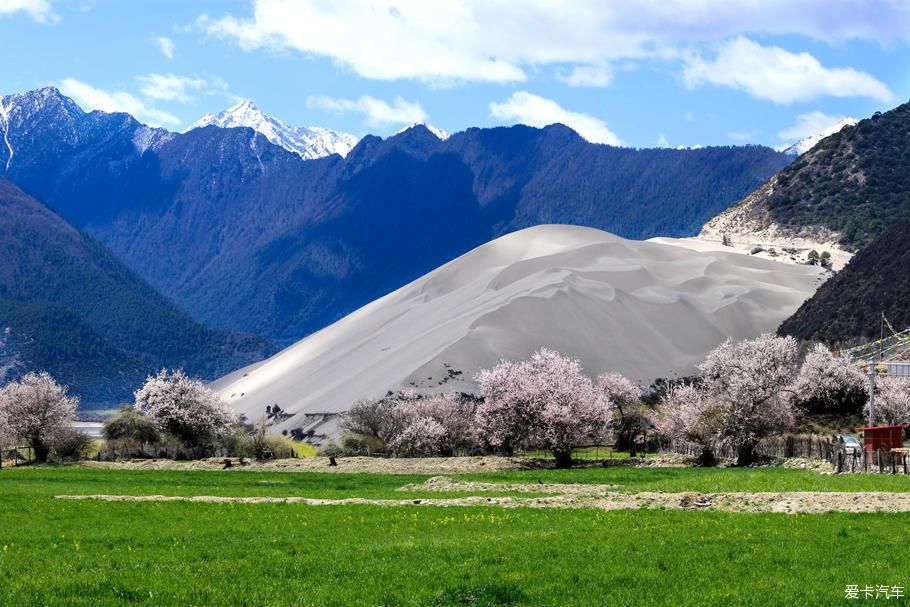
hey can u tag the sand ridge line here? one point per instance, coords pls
(785, 502)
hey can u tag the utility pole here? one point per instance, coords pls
(872, 371)
(871, 395)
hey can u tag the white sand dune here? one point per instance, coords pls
(645, 309)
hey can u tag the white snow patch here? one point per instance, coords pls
(309, 142)
(5, 111)
(804, 145)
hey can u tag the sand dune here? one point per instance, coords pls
(644, 309)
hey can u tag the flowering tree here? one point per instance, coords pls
(892, 401)
(687, 413)
(185, 408)
(745, 394)
(829, 381)
(750, 381)
(625, 396)
(421, 435)
(418, 425)
(37, 410)
(545, 400)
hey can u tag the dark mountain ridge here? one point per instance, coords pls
(847, 308)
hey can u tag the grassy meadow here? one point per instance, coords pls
(55, 552)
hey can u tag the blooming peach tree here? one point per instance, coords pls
(744, 394)
(625, 397)
(544, 401)
(184, 408)
(828, 381)
(37, 410)
(892, 401)
(409, 423)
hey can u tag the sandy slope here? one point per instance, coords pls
(645, 309)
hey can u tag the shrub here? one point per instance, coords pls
(71, 444)
(130, 425)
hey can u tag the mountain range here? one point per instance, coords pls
(68, 306)
(247, 236)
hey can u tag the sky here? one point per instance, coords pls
(640, 73)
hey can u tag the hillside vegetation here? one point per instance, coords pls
(848, 307)
(854, 183)
(69, 307)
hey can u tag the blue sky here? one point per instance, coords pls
(639, 73)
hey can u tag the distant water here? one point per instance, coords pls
(93, 429)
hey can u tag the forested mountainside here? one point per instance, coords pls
(848, 189)
(68, 306)
(848, 307)
(247, 236)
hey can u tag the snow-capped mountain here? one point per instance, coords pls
(440, 134)
(47, 119)
(804, 145)
(307, 141)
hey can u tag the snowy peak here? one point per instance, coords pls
(804, 145)
(308, 142)
(439, 133)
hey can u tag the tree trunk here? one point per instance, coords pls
(706, 458)
(563, 459)
(41, 452)
(745, 455)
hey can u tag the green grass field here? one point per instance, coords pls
(55, 552)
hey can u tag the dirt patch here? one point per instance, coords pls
(445, 484)
(377, 465)
(599, 497)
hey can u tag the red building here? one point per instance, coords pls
(883, 437)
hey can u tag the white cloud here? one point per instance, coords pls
(537, 111)
(773, 73)
(171, 87)
(809, 124)
(91, 98)
(166, 46)
(376, 112)
(39, 10)
(589, 76)
(502, 40)
(662, 141)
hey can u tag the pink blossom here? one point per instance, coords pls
(185, 408)
(828, 379)
(37, 410)
(744, 396)
(544, 401)
(892, 401)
